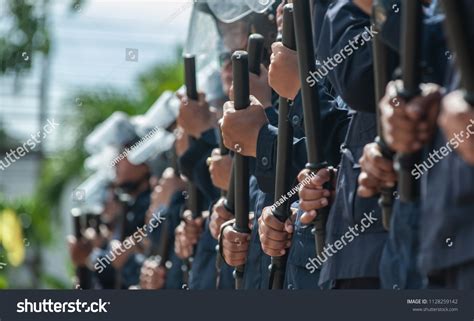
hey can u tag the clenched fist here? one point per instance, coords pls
(218, 217)
(275, 236)
(409, 126)
(377, 172)
(152, 275)
(457, 122)
(235, 245)
(313, 196)
(195, 117)
(283, 74)
(220, 168)
(240, 128)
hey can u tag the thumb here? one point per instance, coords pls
(276, 47)
(254, 101)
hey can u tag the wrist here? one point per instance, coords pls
(253, 146)
(295, 91)
(204, 128)
(267, 103)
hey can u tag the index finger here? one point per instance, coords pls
(271, 221)
(216, 152)
(254, 100)
(229, 107)
(277, 47)
(223, 213)
(235, 237)
(321, 177)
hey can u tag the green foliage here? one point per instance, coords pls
(39, 214)
(53, 282)
(159, 79)
(3, 282)
(26, 34)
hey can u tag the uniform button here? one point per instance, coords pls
(295, 120)
(264, 161)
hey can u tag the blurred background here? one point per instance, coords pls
(70, 62)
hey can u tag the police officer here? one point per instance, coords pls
(398, 265)
(234, 36)
(238, 248)
(284, 79)
(346, 33)
(167, 199)
(131, 188)
(446, 184)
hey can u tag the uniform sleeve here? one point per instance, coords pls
(193, 163)
(265, 169)
(334, 126)
(266, 157)
(345, 55)
(272, 115)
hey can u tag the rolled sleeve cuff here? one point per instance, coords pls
(272, 115)
(266, 157)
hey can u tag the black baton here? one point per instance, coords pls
(82, 272)
(381, 77)
(411, 75)
(194, 196)
(241, 163)
(311, 106)
(284, 151)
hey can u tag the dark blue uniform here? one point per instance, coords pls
(203, 274)
(447, 220)
(256, 274)
(398, 267)
(130, 272)
(334, 120)
(346, 32)
(319, 11)
(174, 274)
(135, 217)
(193, 164)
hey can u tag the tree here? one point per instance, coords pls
(26, 33)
